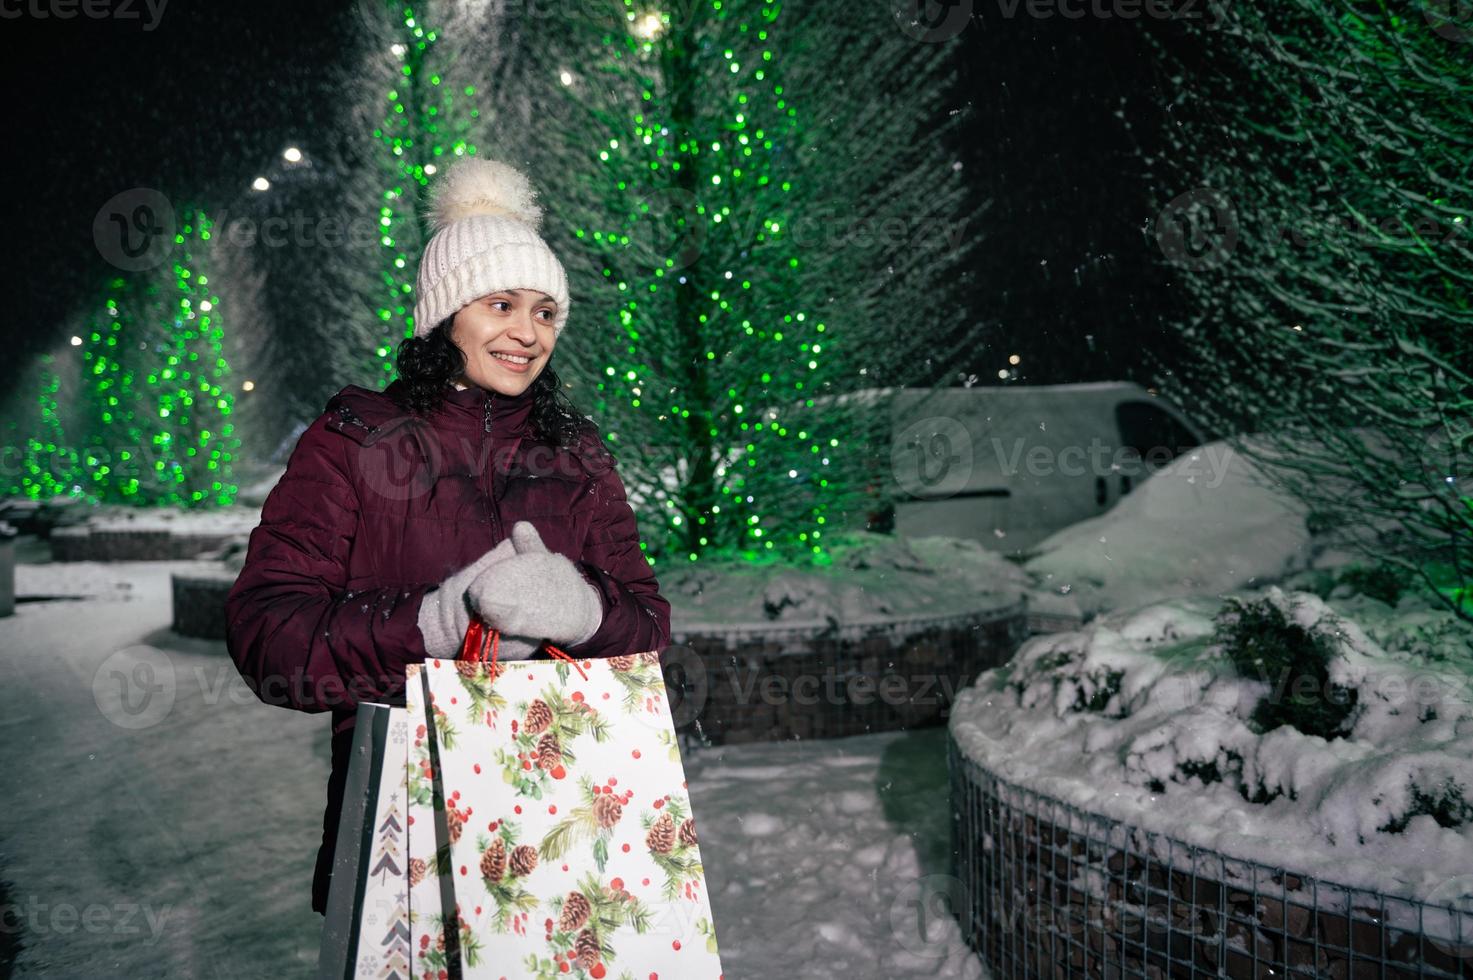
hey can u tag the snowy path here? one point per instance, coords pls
(820, 854)
(179, 848)
(173, 834)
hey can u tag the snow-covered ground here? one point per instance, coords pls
(223, 520)
(161, 822)
(831, 857)
(873, 578)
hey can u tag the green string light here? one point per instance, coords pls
(424, 119)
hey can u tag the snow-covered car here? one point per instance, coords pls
(1010, 465)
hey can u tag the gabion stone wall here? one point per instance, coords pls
(199, 602)
(801, 683)
(1049, 890)
(7, 573)
(128, 544)
(728, 686)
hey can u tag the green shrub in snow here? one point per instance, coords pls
(1293, 661)
(1380, 582)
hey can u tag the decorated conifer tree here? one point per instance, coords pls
(153, 412)
(40, 462)
(757, 209)
(416, 77)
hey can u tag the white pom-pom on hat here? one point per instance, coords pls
(484, 218)
(474, 186)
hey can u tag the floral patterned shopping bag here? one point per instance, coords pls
(564, 842)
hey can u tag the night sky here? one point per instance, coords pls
(202, 103)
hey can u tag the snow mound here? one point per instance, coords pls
(1143, 717)
(873, 578)
(219, 520)
(1207, 522)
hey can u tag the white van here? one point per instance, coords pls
(1010, 465)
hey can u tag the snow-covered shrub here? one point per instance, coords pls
(1156, 716)
(1377, 581)
(1445, 804)
(1295, 660)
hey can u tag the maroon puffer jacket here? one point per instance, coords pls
(375, 509)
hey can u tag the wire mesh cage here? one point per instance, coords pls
(1050, 890)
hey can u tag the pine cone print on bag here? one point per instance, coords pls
(586, 949)
(623, 663)
(575, 912)
(549, 750)
(539, 716)
(688, 832)
(417, 870)
(467, 669)
(523, 860)
(454, 821)
(493, 862)
(661, 837)
(651, 657)
(607, 810)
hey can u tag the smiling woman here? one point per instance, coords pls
(478, 347)
(470, 484)
(509, 336)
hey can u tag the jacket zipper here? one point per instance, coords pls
(490, 495)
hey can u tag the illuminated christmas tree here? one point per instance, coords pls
(756, 207)
(415, 79)
(153, 413)
(39, 461)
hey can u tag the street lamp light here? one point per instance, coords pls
(649, 26)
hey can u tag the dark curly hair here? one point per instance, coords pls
(427, 366)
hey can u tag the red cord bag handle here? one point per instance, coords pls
(478, 636)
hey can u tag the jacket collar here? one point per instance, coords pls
(509, 416)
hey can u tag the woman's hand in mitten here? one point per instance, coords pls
(444, 616)
(513, 647)
(537, 592)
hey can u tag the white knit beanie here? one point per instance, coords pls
(485, 217)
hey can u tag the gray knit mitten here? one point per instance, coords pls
(444, 616)
(538, 593)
